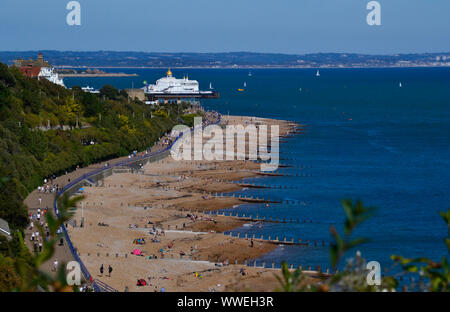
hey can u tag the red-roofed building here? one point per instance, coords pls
(38, 69)
(31, 68)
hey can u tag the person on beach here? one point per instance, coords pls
(55, 264)
(109, 270)
(101, 270)
(251, 243)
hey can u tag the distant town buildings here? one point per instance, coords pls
(76, 62)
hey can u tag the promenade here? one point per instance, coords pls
(41, 200)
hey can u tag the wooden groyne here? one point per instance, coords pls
(248, 185)
(261, 201)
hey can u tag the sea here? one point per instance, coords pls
(376, 135)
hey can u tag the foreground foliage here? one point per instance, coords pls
(23, 271)
(433, 276)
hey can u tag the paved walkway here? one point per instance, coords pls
(63, 253)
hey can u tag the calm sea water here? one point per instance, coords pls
(366, 139)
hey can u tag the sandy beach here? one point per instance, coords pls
(164, 204)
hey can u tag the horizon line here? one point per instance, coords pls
(222, 52)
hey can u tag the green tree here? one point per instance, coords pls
(109, 92)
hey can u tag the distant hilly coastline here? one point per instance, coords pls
(112, 59)
(72, 72)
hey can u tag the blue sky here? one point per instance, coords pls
(282, 26)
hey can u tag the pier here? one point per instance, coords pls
(180, 97)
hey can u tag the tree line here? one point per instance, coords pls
(97, 127)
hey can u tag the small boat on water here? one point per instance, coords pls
(245, 85)
(210, 86)
(400, 85)
(249, 74)
(90, 90)
(241, 90)
(318, 73)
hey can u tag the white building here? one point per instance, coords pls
(172, 85)
(49, 74)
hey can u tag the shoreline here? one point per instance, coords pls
(260, 67)
(171, 196)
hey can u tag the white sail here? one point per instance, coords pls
(318, 73)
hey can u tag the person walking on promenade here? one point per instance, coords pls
(109, 270)
(55, 264)
(101, 270)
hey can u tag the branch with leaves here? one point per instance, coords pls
(437, 273)
(353, 277)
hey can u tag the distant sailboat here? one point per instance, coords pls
(245, 85)
(400, 85)
(210, 86)
(318, 73)
(249, 74)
